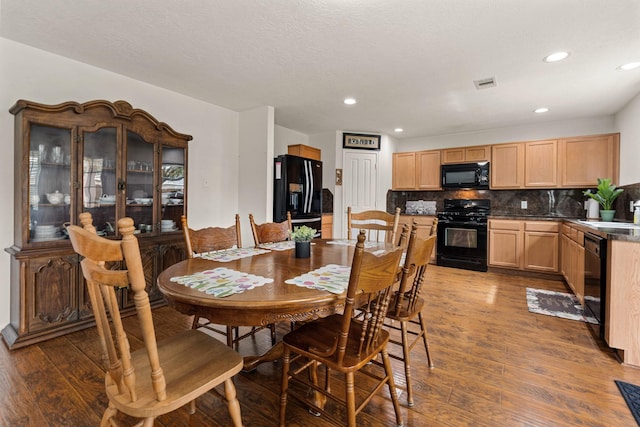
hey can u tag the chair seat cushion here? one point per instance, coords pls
(192, 362)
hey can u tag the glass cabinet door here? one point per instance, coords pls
(172, 188)
(99, 178)
(140, 184)
(49, 182)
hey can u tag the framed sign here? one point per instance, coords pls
(361, 141)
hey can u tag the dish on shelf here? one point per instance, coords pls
(169, 229)
(47, 239)
(143, 201)
(175, 201)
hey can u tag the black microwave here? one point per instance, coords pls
(465, 175)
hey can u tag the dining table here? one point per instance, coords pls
(262, 285)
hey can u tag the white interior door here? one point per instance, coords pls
(359, 180)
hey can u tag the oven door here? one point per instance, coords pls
(462, 244)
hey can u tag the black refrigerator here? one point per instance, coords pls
(298, 189)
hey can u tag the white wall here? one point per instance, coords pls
(35, 75)
(628, 121)
(532, 132)
(256, 169)
(285, 137)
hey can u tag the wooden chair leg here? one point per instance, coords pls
(232, 402)
(196, 321)
(284, 386)
(192, 407)
(350, 398)
(392, 387)
(406, 355)
(109, 413)
(423, 327)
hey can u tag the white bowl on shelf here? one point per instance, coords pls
(143, 201)
(55, 198)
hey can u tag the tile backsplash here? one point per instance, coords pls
(567, 203)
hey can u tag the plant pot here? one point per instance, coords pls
(303, 249)
(607, 215)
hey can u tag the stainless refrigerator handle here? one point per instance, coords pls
(308, 186)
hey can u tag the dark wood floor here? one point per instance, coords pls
(496, 365)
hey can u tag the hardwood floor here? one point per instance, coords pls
(496, 365)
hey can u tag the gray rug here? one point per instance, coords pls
(558, 304)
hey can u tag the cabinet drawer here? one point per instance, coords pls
(548, 226)
(504, 224)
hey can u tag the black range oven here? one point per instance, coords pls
(462, 234)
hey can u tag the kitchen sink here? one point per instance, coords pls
(611, 224)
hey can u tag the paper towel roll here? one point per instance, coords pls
(593, 209)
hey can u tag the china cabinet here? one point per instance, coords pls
(105, 158)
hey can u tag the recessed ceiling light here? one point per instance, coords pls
(349, 101)
(398, 130)
(555, 57)
(630, 66)
(541, 110)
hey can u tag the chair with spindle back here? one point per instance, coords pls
(344, 343)
(380, 226)
(270, 232)
(161, 376)
(406, 304)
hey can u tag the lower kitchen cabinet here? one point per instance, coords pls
(572, 259)
(327, 226)
(524, 245)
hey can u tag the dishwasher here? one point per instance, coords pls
(595, 278)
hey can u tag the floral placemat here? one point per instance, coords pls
(233, 254)
(345, 242)
(332, 277)
(279, 246)
(221, 281)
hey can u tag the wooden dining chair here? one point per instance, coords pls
(162, 376)
(270, 232)
(344, 343)
(380, 226)
(209, 239)
(406, 304)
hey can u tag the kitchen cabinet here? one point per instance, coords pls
(572, 259)
(327, 226)
(585, 159)
(305, 151)
(505, 243)
(110, 160)
(507, 166)
(481, 153)
(541, 164)
(416, 170)
(428, 168)
(404, 171)
(424, 223)
(524, 245)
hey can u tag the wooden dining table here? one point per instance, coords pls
(263, 305)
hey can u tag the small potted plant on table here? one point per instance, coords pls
(606, 194)
(302, 236)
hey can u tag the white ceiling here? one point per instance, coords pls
(409, 63)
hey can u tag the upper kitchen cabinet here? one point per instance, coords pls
(416, 170)
(404, 171)
(507, 166)
(428, 168)
(541, 164)
(481, 153)
(585, 159)
(110, 160)
(305, 151)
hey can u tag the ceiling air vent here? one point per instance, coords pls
(485, 83)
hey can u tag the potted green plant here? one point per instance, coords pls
(605, 195)
(302, 236)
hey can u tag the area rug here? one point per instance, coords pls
(558, 304)
(631, 394)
